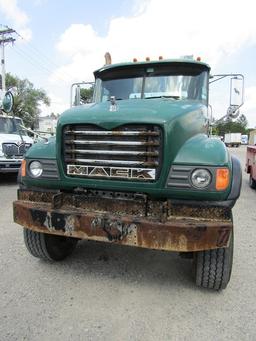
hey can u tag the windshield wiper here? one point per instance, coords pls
(172, 97)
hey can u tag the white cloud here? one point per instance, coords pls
(213, 30)
(250, 98)
(80, 38)
(17, 16)
(249, 107)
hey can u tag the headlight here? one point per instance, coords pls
(201, 178)
(36, 169)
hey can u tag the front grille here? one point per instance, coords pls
(13, 149)
(127, 152)
(10, 165)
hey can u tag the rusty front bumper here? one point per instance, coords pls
(164, 227)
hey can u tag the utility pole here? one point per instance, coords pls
(5, 38)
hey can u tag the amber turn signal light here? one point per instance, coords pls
(23, 168)
(222, 179)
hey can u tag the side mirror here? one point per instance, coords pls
(236, 95)
(81, 93)
(77, 100)
(236, 91)
(7, 103)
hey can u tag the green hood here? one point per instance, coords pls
(155, 111)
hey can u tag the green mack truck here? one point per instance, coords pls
(136, 167)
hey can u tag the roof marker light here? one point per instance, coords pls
(147, 59)
(198, 59)
(135, 60)
(160, 58)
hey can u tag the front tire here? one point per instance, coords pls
(47, 246)
(213, 267)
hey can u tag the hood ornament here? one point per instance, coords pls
(113, 105)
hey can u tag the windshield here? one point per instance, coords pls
(8, 125)
(182, 83)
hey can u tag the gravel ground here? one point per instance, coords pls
(107, 292)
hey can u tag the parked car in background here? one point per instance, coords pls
(244, 139)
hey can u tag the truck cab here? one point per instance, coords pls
(135, 167)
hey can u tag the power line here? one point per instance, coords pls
(35, 57)
(38, 65)
(43, 57)
(32, 62)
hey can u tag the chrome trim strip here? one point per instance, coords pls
(113, 143)
(112, 133)
(115, 162)
(111, 152)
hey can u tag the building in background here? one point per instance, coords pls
(47, 124)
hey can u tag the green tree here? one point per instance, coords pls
(27, 99)
(230, 126)
(242, 120)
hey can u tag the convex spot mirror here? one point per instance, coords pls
(233, 111)
(7, 103)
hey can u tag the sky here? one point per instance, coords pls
(62, 42)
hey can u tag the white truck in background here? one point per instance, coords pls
(14, 142)
(232, 139)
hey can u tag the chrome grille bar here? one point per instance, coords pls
(112, 152)
(111, 133)
(112, 143)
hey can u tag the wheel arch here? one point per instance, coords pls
(236, 181)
